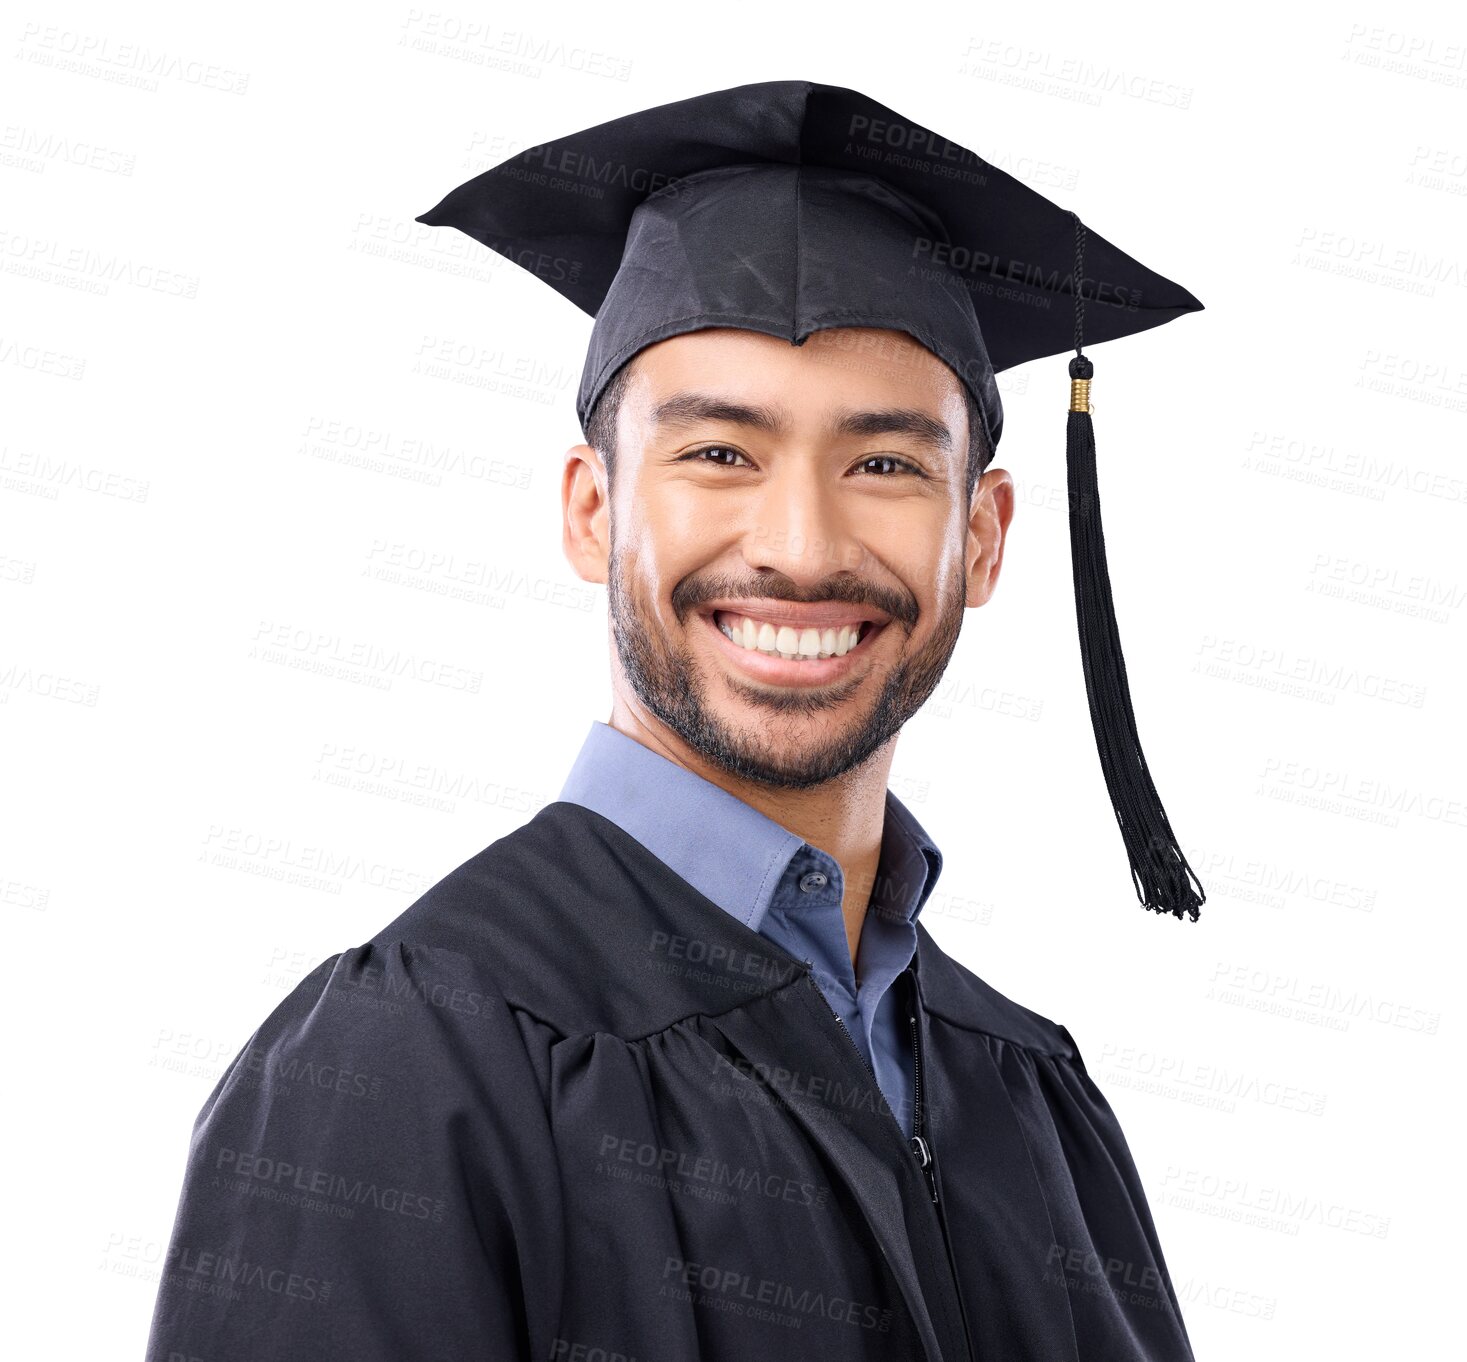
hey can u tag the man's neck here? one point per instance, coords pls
(844, 817)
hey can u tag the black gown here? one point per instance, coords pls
(565, 1108)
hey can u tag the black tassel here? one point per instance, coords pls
(1164, 881)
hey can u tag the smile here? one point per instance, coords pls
(783, 653)
(784, 640)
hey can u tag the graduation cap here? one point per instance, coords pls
(787, 207)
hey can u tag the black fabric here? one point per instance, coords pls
(520, 1120)
(788, 207)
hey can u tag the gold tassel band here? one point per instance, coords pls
(1079, 394)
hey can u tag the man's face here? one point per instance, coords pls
(811, 502)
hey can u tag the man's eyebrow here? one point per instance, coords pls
(896, 421)
(688, 408)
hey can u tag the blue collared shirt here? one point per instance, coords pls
(777, 884)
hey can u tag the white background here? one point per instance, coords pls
(228, 354)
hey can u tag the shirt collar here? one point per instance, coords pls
(727, 850)
(910, 863)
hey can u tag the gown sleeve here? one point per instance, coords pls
(1126, 1294)
(363, 1181)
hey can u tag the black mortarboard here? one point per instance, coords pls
(788, 207)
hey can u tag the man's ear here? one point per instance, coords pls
(586, 513)
(988, 528)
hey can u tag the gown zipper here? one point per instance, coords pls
(845, 1030)
(928, 1161)
(918, 1142)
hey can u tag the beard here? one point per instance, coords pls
(666, 677)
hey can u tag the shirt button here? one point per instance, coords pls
(815, 879)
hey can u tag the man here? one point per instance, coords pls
(674, 1071)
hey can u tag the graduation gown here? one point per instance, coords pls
(565, 1108)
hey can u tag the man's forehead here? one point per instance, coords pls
(840, 367)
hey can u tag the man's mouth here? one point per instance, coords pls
(783, 633)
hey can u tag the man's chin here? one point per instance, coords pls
(784, 748)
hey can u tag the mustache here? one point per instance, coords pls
(691, 592)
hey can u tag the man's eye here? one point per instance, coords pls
(900, 465)
(697, 454)
(888, 464)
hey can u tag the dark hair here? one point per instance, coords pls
(600, 430)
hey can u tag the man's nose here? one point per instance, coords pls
(797, 526)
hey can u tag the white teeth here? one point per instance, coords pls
(787, 642)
